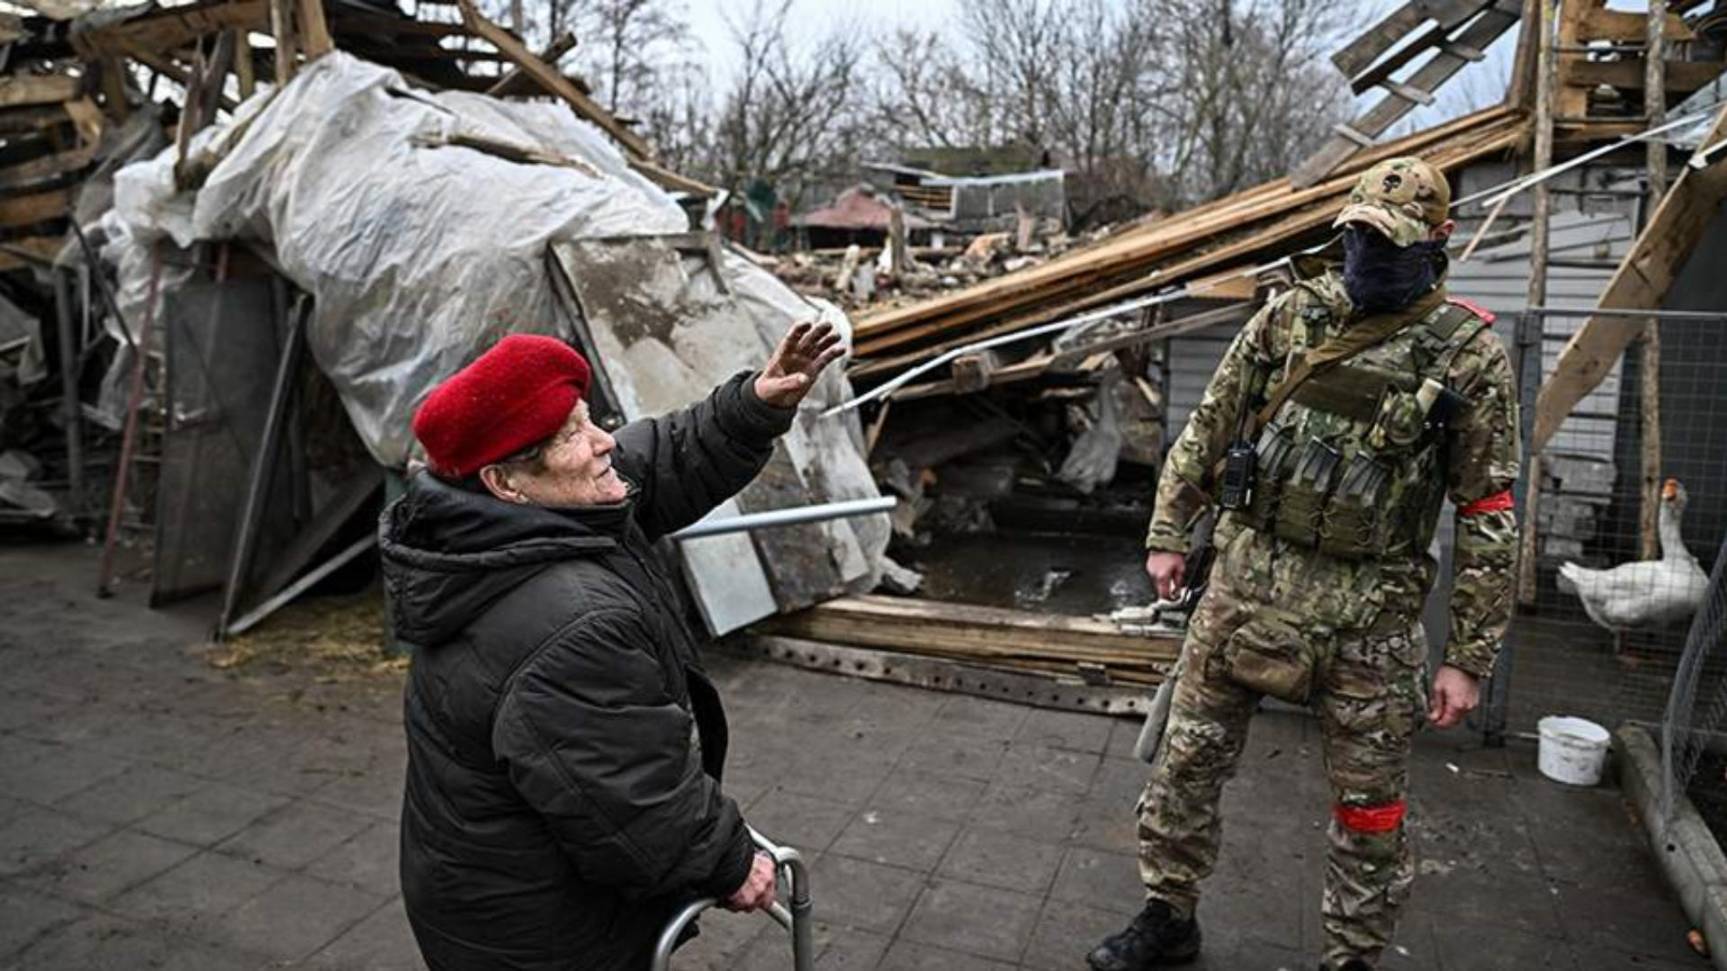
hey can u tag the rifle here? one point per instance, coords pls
(1197, 571)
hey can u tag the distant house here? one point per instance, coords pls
(985, 199)
(859, 215)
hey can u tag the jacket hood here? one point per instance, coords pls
(449, 553)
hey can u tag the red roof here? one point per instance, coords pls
(859, 207)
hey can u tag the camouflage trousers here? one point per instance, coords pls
(1370, 694)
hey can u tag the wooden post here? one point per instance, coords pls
(1655, 102)
(315, 29)
(282, 28)
(1546, 75)
(1649, 422)
(898, 258)
(1649, 376)
(113, 71)
(244, 70)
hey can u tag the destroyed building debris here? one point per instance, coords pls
(204, 272)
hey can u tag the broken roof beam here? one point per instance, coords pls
(1354, 58)
(314, 29)
(169, 29)
(517, 81)
(641, 156)
(1451, 56)
(23, 89)
(549, 78)
(1640, 283)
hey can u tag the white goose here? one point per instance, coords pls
(1645, 593)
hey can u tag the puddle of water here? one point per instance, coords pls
(1059, 574)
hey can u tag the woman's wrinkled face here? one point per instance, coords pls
(574, 469)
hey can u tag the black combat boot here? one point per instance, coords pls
(1157, 937)
(1353, 964)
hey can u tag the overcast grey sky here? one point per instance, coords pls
(810, 19)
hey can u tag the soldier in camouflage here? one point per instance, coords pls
(1323, 568)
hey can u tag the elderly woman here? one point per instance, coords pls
(564, 744)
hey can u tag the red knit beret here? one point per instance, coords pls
(516, 394)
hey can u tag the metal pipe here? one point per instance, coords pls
(787, 517)
(300, 586)
(69, 370)
(1704, 315)
(1491, 195)
(263, 467)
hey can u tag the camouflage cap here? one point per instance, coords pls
(1404, 198)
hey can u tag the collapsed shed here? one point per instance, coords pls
(1566, 202)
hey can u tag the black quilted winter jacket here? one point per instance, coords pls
(564, 745)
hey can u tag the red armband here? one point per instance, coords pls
(1474, 308)
(1498, 502)
(1371, 819)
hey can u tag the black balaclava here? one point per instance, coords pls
(1381, 276)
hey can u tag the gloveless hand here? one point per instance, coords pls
(1456, 693)
(796, 363)
(1167, 571)
(757, 893)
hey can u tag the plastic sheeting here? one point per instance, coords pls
(418, 253)
(669, 324)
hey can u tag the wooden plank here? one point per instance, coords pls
(32, 119)
(23, 89)
(111, 74)
(170, 29)
(1360, 53)
(1051, 290)
(1381, 72)
(1522, 82)
(282, 29)
(667, 179)
(1480, 34)
(47, 167)
(18, 254)
(1641, 282)
(245, 69)
(1682, 77)
(516, 81)
(1131, 250)
(1600, 23)
(552, 81)
(968, 631)
(37, 207)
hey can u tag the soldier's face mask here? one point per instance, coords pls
(1381, 276)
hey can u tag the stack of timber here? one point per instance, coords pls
(1235, 232)
(53, 111)
(1015, 641)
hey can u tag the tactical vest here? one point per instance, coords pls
(1351, 464)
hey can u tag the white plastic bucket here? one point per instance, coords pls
(1572, 750)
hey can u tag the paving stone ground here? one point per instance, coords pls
(158, 813)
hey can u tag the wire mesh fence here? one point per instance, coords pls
(1624, 509)
(1693, 745)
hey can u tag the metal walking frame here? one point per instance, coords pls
(789, 865)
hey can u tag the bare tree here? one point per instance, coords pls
(1149, 103)
(789, 115)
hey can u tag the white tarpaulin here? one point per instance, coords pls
(419, 254)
